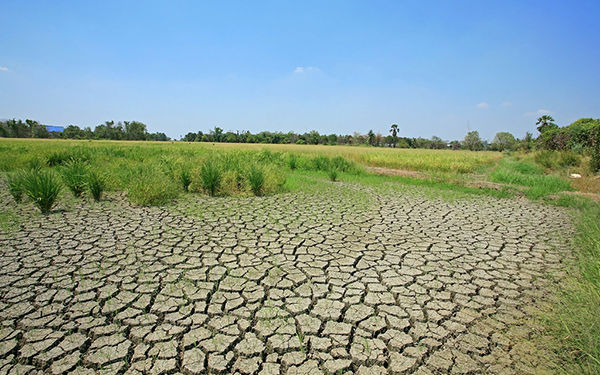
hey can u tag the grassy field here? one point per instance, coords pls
(409, 159)
(154, 173)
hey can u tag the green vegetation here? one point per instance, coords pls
(42, 188)
(96, 184)
(185, 177)
(525, 174)
(256, 178)
(15, 186)
(210, 177)
(74, 175)
(572, 318)
(333, 174)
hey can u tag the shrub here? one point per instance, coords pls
(321, 163)
(185, 178)
(256, 178)
(74, 175)
(42, 187)
(210, 177)
(292, 161)
(341, 164)
(546, 159)
(568, 159)
(333, 174)
(15, 186)
(96, 184)
(595, 154)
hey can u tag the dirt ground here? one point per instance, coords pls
(349, 279)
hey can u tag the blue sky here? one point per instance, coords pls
(434, 68)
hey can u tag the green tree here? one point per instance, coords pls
(371, 137)
(503, 141)
(135, 131)
(394, 131)
(545, 123)
(473, 141)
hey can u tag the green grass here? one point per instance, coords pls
(96, 184)
(42, 188)
(74, 174)
(530, 177)
(573, 318)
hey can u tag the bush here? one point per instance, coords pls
(568, 159)
(96, 184)
(321, 163)
(333, 174)
(15, 186)
(74, 175)
(185, 178)
(42, 187)
(210, 177)
(256, 178)
(546, 159)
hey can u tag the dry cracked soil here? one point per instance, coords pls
(348, 279)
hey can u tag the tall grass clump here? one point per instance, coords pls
(15, 186)
(256, 179)
(185, 178)
(74, 175)
(332, 173)
(150, 187)
(42, 188)
(573, 319)
(292, 161)
(210, 177)
(96, 184)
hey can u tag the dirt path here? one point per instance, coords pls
(351, 280)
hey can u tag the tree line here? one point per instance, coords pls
(580, 136)
(126, 130)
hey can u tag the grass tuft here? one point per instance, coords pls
(332, 173)
(42, 188)
(96, 184)
(210, 177)
(15, 186)
(74, 174)
(185, 178)
(256, 179)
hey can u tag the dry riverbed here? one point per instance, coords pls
(350, 279)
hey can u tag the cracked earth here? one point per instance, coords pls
(347, 280)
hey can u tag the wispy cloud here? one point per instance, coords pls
(506, 104)
(3, 68)
(539, 112)
(482, 105)
(305, 69)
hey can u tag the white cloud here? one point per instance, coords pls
(3, 68)
(305, 69)
(539, 112)
(483, 105)
(506, 104)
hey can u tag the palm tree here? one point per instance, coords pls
(371, 137)
(544, 123)
(394, 131)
